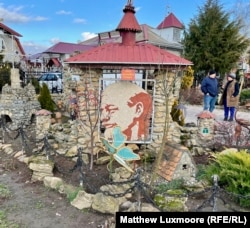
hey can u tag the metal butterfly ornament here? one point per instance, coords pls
(117, 149)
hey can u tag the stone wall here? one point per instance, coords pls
(19, 104)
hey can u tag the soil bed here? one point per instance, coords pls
(31, 205)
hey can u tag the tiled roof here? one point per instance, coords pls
(170, 21)
(115, 53)
(68, 48)
(171, 158)
(167, 168)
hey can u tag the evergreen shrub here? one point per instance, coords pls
(233, 169)
(244, 95)
(45, 99)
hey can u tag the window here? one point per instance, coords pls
(111, 76)
(176, 35)
(2, 45)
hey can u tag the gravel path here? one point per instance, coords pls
(192, 112)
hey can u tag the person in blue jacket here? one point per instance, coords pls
(210, 89)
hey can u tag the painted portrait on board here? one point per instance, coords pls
(127, 105)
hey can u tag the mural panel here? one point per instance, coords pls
(127, 105)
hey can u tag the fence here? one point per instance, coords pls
(216, 198)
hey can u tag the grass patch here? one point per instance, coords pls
(4, 191)
(4, 223)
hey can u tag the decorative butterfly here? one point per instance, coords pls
(118, 151)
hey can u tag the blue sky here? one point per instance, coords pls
(42, 23)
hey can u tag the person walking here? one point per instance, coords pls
(209, 86)
(230, 97)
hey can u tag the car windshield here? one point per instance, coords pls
(45, 76)
(42, 77)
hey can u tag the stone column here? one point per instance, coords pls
(15, 78)
(43, 123)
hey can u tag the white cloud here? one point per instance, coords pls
(12, 14)
(79, 20)
(137, 9)
(88, 35)
(39, 18)
(63, 12)
(31, 48)
(54, 40)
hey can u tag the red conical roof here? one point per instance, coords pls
(129, 22)
(170, 21)
(128, 25)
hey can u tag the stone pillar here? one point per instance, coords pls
(206, 128)
(15, 78)
(206, 125)
(43, 123)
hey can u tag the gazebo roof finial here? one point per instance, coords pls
(130, 2)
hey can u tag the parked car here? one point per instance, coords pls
(53, 80)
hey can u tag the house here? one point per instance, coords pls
(52, 58)
(170, 28)
(10, 46)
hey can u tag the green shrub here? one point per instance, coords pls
(244, 95)
(35, 83)
(4, 76)
(45, 99)
(233, 169)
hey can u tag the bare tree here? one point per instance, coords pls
(241, 12)
(86, 110)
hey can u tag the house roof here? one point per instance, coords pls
(129, 21)
(147, 35)
(170, 21)
(54, 61)
(116, 53)
(15, 34)
(20, 46)
(9, 30)
(128, 51)
(68, 48)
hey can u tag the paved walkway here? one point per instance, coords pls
(193, 110)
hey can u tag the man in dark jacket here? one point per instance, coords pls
(209, 86)
(230, 97)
